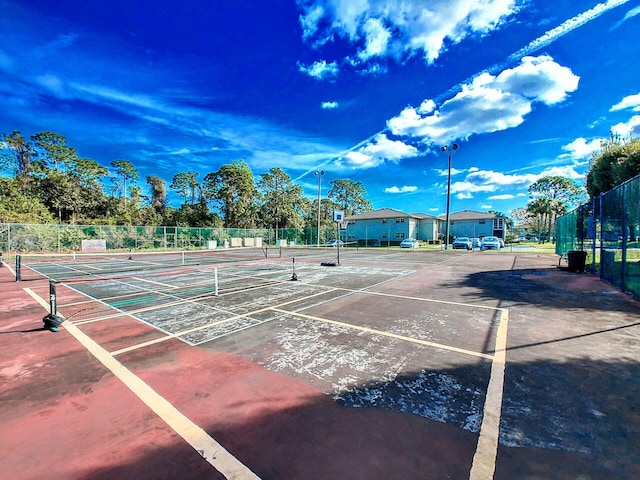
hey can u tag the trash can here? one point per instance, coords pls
(577, 260)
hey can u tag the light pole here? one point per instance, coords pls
(319, 174)
(444, 149)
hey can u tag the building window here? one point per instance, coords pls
(352, 222)
(399, 235)
(497, 223)
(399, 220)
(481, 222)
(384, 220)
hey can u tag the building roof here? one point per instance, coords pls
(380, 213)
(425, 216)
(389, 213)
(470, 215)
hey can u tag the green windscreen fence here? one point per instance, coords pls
(608, 229)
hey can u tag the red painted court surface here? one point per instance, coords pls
(393, 364)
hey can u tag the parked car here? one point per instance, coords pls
(490, 243)
(334, 243)
(533, 239)
(462, 242)
(409, 243)
(475, 242)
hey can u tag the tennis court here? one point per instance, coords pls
(421, 336)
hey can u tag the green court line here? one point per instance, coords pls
(151, 298)
(133, 301)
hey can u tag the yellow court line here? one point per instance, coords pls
(484, 460)
(388, 334)
(200, 441)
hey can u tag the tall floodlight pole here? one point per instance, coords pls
(449, 153)
(319, 174)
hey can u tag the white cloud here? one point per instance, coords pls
(329, 105)
(628, 129)
(376, 153)
(443, 172)
(403, 189)
(489, 181)
(504, 196)
(464, 195)
(630, 101)
(630, 14)
(377, 39)
(486, 207)
(563, 171)
(400, 29)
(580, 149)
(489, 103)
(320, 70)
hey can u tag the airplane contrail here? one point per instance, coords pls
(542, 41)
(545, 39)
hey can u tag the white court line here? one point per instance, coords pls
(13, 272)
(210, 450)
(208, 325)
(484, 460)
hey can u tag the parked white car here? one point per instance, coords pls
(409, 243)
(490, 243)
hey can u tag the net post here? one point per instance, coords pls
(18, 264)
(53, 304)
(52, 321)
(215, 276)
(1, 261)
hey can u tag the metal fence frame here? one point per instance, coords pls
(608, 229)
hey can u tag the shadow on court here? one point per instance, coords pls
(544, 432)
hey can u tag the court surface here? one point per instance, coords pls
(392, 364)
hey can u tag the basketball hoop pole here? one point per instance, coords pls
(338, 237)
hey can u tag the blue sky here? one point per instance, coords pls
(367, 90)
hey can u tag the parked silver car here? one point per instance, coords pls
(490, 243)
(462, 242)
(409, 243)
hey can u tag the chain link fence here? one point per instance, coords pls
(608, 230)
(46, 238)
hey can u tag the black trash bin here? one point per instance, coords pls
(577, 260)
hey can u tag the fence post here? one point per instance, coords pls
(623, 270)
(18, 262)
(595, 235)
(601, 214)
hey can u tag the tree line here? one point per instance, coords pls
(617, 161)
(50, 182)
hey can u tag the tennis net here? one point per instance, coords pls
(149, 293)
(97, 265)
